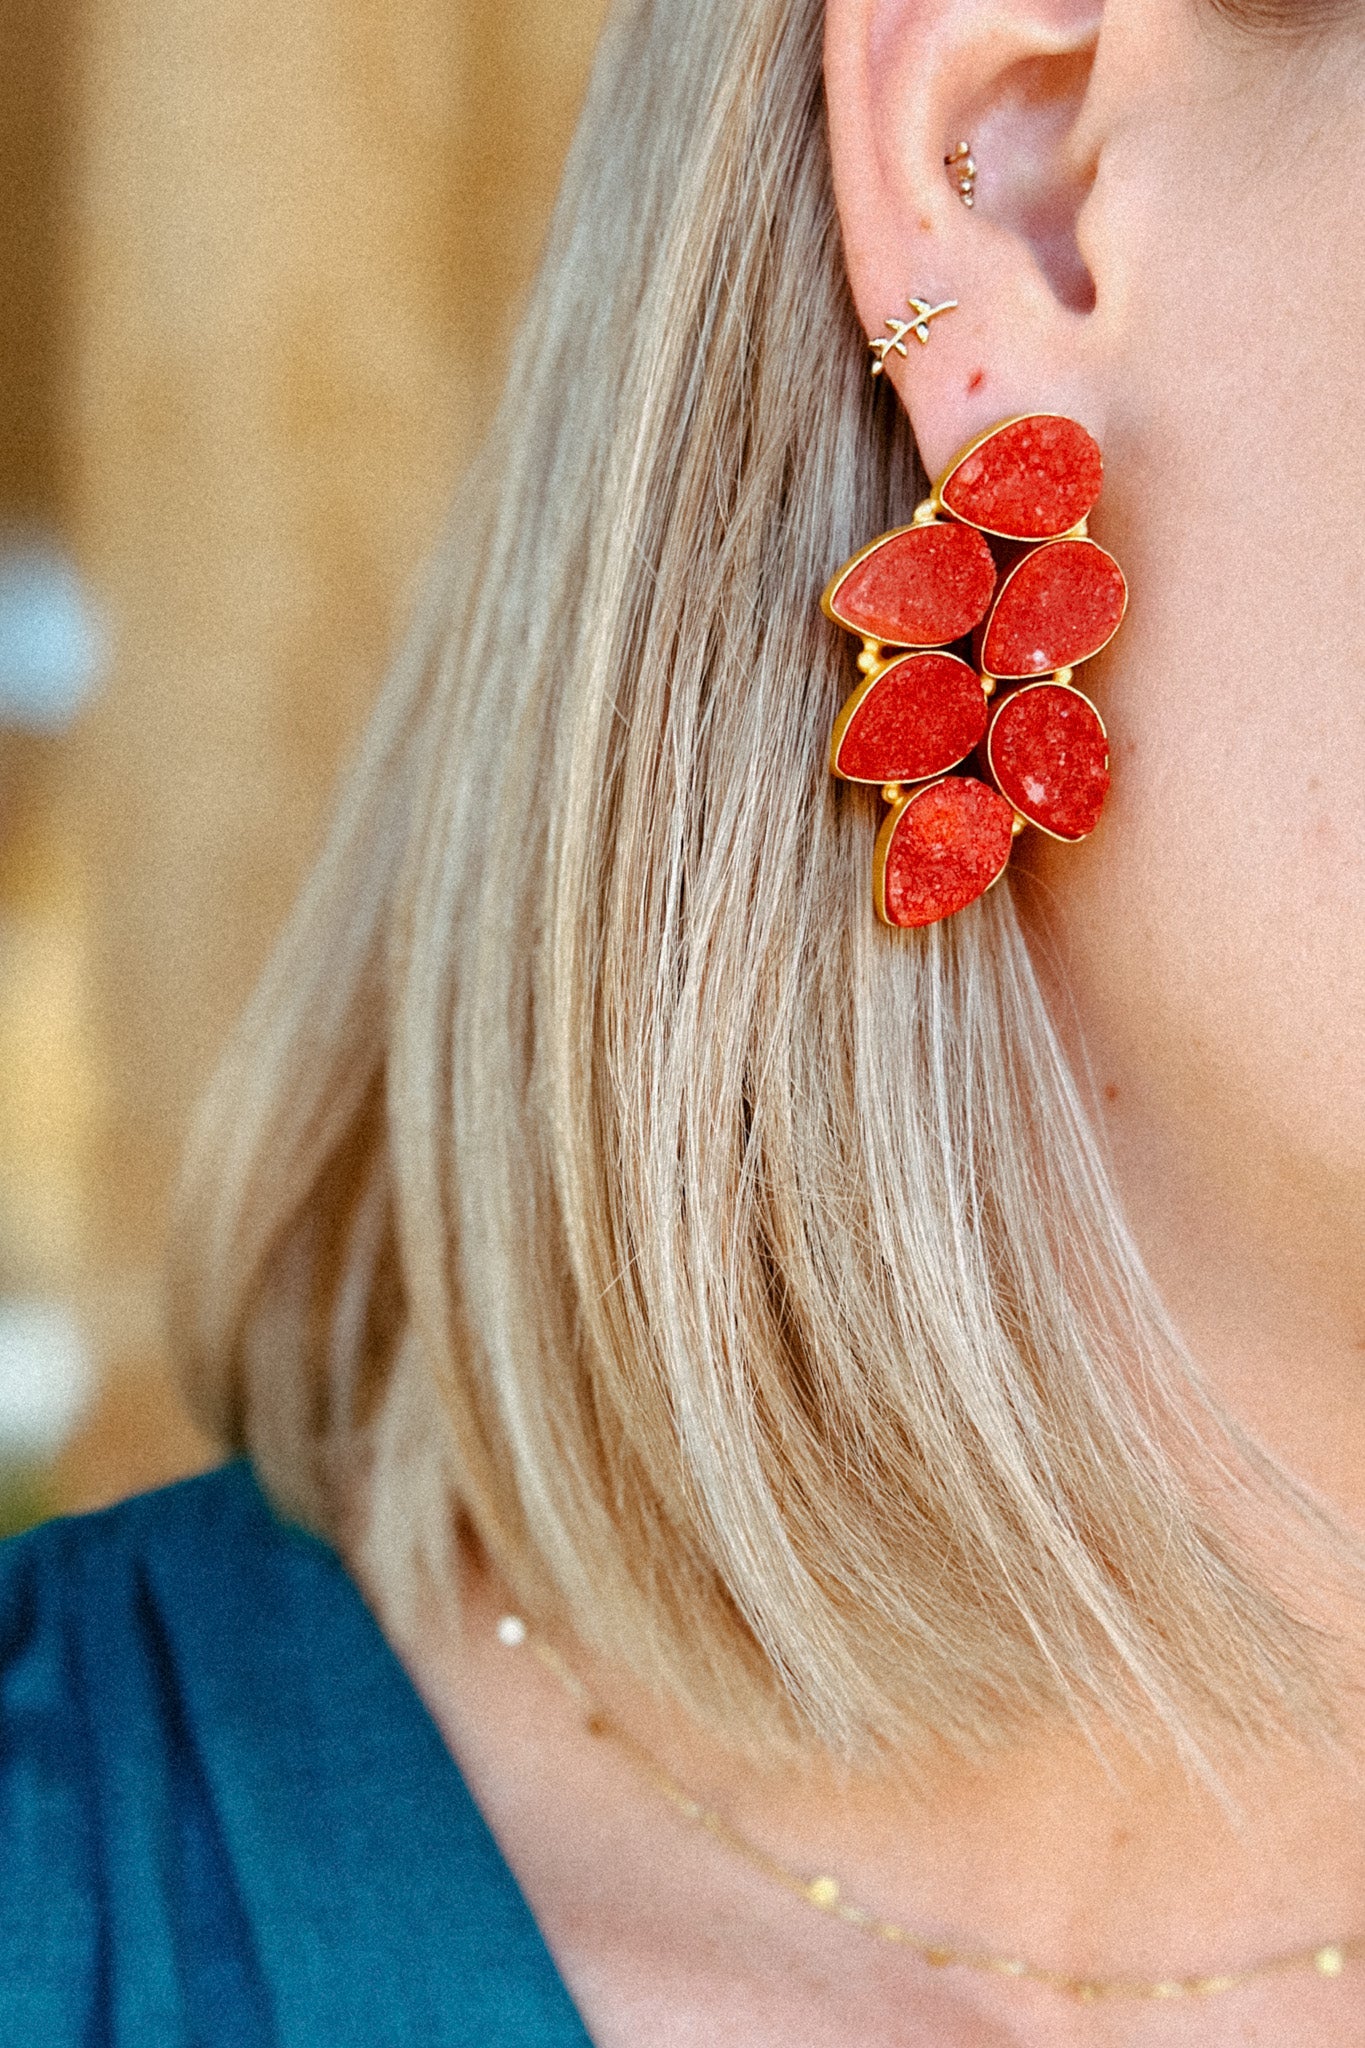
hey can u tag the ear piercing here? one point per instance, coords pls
(961, 160)
(894, 341)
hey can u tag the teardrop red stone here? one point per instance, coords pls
(920, 586)
(940, 849)
(1031, 479)
(1048, 753)
(921, 715)
(1058, 606)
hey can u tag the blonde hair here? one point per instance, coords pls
(591, 1165)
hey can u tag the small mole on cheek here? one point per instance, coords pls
(926, 226)
(1111, 1093)
(976, 380)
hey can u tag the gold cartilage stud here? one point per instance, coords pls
(894, 340)
(960, 160)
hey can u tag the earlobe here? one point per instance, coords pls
(906, 81)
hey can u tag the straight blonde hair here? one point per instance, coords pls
(592, 1167)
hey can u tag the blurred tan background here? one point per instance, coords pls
(258, 267)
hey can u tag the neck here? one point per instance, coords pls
(1259, 1270)
(1114, 1868)
(1248, 1224)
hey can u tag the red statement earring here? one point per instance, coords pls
(1027, 614)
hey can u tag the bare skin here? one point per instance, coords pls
(1165, 245)
(666, 1940)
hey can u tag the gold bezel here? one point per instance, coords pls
(858, 696)
(1076, 532)
(827, 605)
(983, 631)
(886, 832)
(1041, 683)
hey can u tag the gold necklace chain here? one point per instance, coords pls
(826, 1895)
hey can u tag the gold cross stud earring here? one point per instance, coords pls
(894, 340)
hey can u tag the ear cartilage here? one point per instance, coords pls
(961, 161)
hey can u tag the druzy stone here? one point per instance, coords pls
(1058, 606)
(921, 715)
(939, 849)
(1030, 479)
(1049, 755)
(918, 587)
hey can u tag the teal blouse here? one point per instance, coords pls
(226, 1818)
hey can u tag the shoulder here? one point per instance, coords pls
(65, 1575)
(116, 1627)
(88, 1602)
(112, 1628)
(225, 1813)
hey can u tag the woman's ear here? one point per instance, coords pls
(907, 80)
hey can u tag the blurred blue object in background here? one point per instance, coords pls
(50, 654)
